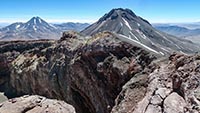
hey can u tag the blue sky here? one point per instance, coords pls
(155, 11)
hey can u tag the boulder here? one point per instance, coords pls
(35, 104)
(174, 103)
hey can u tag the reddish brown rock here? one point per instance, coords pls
(172, 88)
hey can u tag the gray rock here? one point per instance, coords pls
(163, 92)
(153, 109)
(156, 100)
(174, 103)
(35, 104)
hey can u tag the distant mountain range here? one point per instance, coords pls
(71, 26)
(188, 25)
(37, 28)
(179, 31)
(138, 31)
(194, 25)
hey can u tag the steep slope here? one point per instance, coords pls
(71, 26)
(35, 28)
(86, 73)
(127, 25)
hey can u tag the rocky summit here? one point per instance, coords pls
(101, 73)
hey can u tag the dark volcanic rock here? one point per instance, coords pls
(35, 104)
(9, 51)
(87, 73)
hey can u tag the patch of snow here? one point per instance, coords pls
(140, 44)
(177, 46)
(164, 49)
(40, 20)
(161, 53)
(121, 24)
(138, 24)
(127, 24)
(53, 26)
(134, 36)
(182, 52)
(34, 28)
(17, 26)
(34, 21)
(153, 43)
(141, 34)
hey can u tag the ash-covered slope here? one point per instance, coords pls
(35, 28)
(138, 31)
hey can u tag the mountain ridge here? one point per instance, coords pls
(136, 29)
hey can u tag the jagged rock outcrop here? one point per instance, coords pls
(35, 104)
(171, 88)
(86, 73)
(9, 51)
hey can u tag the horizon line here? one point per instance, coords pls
(90, 21)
